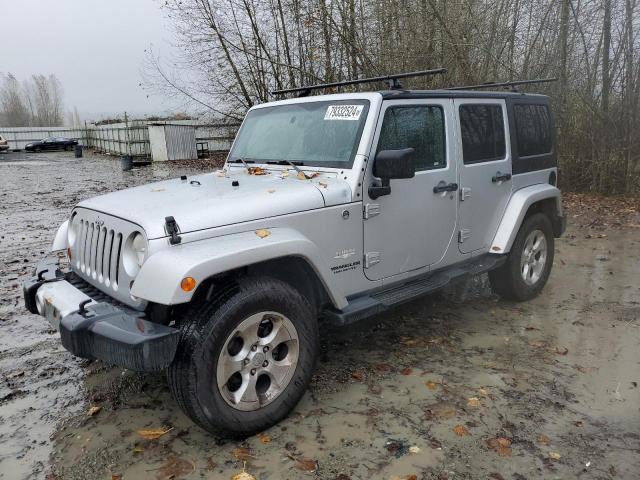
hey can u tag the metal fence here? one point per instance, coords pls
(120, 138)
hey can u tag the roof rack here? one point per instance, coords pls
(512, 84)
(393, 80)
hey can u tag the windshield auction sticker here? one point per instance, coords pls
(343, 112)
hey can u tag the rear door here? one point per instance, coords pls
(485, 170)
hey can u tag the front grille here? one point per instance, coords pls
(99, 252)
(96, 253)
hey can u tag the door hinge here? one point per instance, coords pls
(371, 210)
(371, 258)
(465, 192)
(463, 235)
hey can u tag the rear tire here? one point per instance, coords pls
(221, 381)
(529, 262)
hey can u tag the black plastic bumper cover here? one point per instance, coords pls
(106, 333)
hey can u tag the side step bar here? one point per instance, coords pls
(367, 305)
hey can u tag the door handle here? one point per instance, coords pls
(445, 187)
(501, 177)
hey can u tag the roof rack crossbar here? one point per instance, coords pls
(393, 81)
(512, 84)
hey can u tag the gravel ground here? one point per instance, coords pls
(457, 385)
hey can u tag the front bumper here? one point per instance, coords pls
(96, 328)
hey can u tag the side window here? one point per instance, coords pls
(482, 131)
(533, 129)
(420, 127)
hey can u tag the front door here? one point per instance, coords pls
(485, 170)
(413, 226)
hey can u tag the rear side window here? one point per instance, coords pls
(533, 129)
(420, 127)
(482, 130)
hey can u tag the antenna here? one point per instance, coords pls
(512, 84)
(393, 80)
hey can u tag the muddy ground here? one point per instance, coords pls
(446, 387)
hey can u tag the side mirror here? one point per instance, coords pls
(395, 164)
(390, 164)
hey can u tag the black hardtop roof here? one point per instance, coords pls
(409, 94)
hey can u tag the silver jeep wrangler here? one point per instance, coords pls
(329, 208)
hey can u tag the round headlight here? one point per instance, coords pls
(135, 250)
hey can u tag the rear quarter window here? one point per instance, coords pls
(533, 129)
(482, 132)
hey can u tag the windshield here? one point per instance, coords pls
(323, 134)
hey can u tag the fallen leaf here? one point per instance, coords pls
(153, 433)
(116, 476)
(431, 385)
(383, 367)
(531, 327)
(243, 476)
(440, 410)
(138, 450)
(496, 476)
(536, 343)
(578, 423)
(543, 439)
(358, 375)
(473, 402)
(322, 184)
(414, 449)
(406, 371)
(93, 410)
(554, 455)
(263, 437)
(175, 467)
(562, 351)
(482, 391)
(263, 232)
(243, 453)
(257, 171)
(461, 430)
(306, 465)
(502, 446)
(408, 341)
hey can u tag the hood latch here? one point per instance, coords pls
(172, 229)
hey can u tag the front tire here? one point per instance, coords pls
(529, 263)
(245, 359)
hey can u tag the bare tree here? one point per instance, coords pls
(237, 51)
(14, 111)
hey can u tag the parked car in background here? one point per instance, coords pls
(4, 144)
(51, 143)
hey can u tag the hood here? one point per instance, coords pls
(216, 202)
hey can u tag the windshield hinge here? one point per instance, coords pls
(172, 229)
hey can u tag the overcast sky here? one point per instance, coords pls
(94, 47)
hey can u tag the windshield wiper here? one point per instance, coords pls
(293, 164)
(244, 162)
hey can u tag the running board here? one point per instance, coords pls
(367, 305)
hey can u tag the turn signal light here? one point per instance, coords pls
(188, 284)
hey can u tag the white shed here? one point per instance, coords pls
(172, 142)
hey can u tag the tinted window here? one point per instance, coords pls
(419, 127)
(482, 129)
(533, 129)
